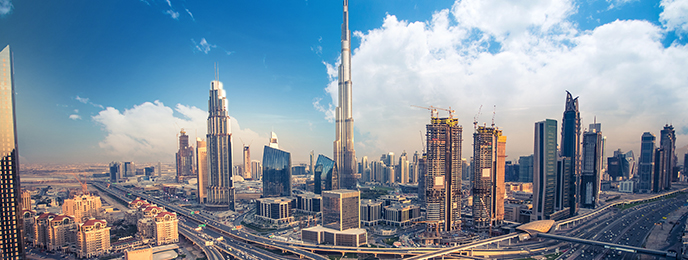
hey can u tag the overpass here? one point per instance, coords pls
(464, 247)
(625, 248)
(574, 221)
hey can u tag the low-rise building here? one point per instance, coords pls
(309, 203)
(275, 210)
(322, 235)
(166, 224)
(82, 207)
(401, 215)
(54, 232)
(371, 212)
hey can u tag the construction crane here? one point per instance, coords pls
(422, 142)
(475, 118)
(433, 110)
(494, 110)
(84, 188)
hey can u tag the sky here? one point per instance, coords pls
(101, 81)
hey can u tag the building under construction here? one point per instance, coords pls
(442, 182)
(489, 154)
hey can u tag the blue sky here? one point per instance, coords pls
(99, 81)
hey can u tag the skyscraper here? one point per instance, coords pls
(592, 166)
(256, 169)
(325, 169)
(647, 162)
(129, 169)
(667, 141)
(570, 147)
(414, 168)
(11, 237)
(276, 173)
(403, 168)
(344, 153)
(247, 162)
(544, 169)
(525, 170)
(115, 171)
(202, 169)
(443, 172)
(185, 158)
(489, 153)
(219, 149)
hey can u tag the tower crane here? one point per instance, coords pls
(494, 110)
(433, 110)
(84, 188)
(475, 118)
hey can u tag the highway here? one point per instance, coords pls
(214, 225)
(210, 251)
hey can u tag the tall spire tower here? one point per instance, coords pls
(220, 189)
(344, 152)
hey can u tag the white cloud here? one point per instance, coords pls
(173, 14)
(675, 15)
(75, 117)
(6, 7)
(169, 3)
(621, 71)
(148, 132)
(87, 101)
(190, 14)
(82, 100)
(204, 46)
(618, 3)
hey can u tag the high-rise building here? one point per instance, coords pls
(325, 171)
(129, 169)
(647, 162)
(341, 209)
(659, 174)
(26, 200)
(403, 169)
(11, 231)
(414, 168)
(276, 173)
(82, 207)
(219, 149)
(592, 166)
(667, 141)
(544, 169)
(247, 163)
(344, 153)
(620, 165)
(185, 158)
(93, 238)
(525, 170)
(115, 171)
(489, 153)
(443, 173)
(570, 147)
(202, 169)
(257, 169)
(365, 168)
(311, 169)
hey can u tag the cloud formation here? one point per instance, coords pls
(621, 71)
(75, 117)
(87, 101)
(203, 46)
(173, 14)
(6, 7)
(148, 132)
(675, 15)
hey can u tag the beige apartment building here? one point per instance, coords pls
(82, 207)
(93, 238)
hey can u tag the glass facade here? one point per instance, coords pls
(544, 169)
(570, 147)
(276, 173)
(11, 227)
(325, 169)
(219, 150)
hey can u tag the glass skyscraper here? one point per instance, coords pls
(276, 173)
(544, 169)
(647, 162)
(11, 226)
(325, 168)
(570, 147)
(341, 209)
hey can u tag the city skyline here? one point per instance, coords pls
(101, 91)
